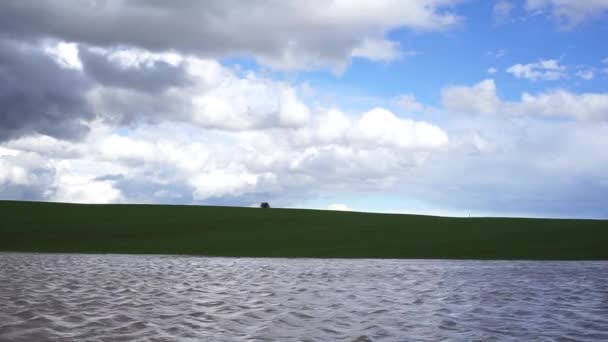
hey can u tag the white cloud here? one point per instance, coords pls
(11, 173)
(139, 58)
(285, 146)
(339, 207)
(116, 147)
(84, 189)
(570, 12)
(379, 126)
(587, 106)
(497, 53)
(4, 151)
(218, 98)
(20, 167)
(482, 98)
(219, 183)
(585, 74)
(547, 70)
(332, 152)
(24, 175)
(492, 71)
(479, 98)
(166, 122)
(222, 164)
(377, 50)
(502, 10)
(43, 145)
(292, 112)
(245, 103)
(330, 128)
(65, 54)
(409, 103)
(375, 128)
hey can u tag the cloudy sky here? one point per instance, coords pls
(446, 107)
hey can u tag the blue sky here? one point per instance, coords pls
(464, 54)
(441, 107)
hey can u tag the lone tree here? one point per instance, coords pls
(265, 205)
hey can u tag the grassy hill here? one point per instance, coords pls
(229, 231)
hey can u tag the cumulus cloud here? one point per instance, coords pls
(375, 128)
(206, 94)
(570, 12)
(380, 126)
(57, 89)
(218, 98)
(104, 104)
(482, 98)
(281, 34)
(546, 70)
(321, 151)
(183, 161)
(110, 61)
(24, 175)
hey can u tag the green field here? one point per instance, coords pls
(231, 231)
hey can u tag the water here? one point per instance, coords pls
(169, 298)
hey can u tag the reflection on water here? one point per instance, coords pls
(169, 298)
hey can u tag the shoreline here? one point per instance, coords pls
(5, 252)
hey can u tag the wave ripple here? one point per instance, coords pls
(171, 298)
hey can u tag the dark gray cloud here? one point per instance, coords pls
(287, 34)
(154, 77)
(20, 192)
(143, 190)
(39, 96)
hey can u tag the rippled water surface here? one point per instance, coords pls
(171, 298)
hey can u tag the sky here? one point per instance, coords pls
(439, 107)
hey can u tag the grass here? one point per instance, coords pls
(230, 231)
